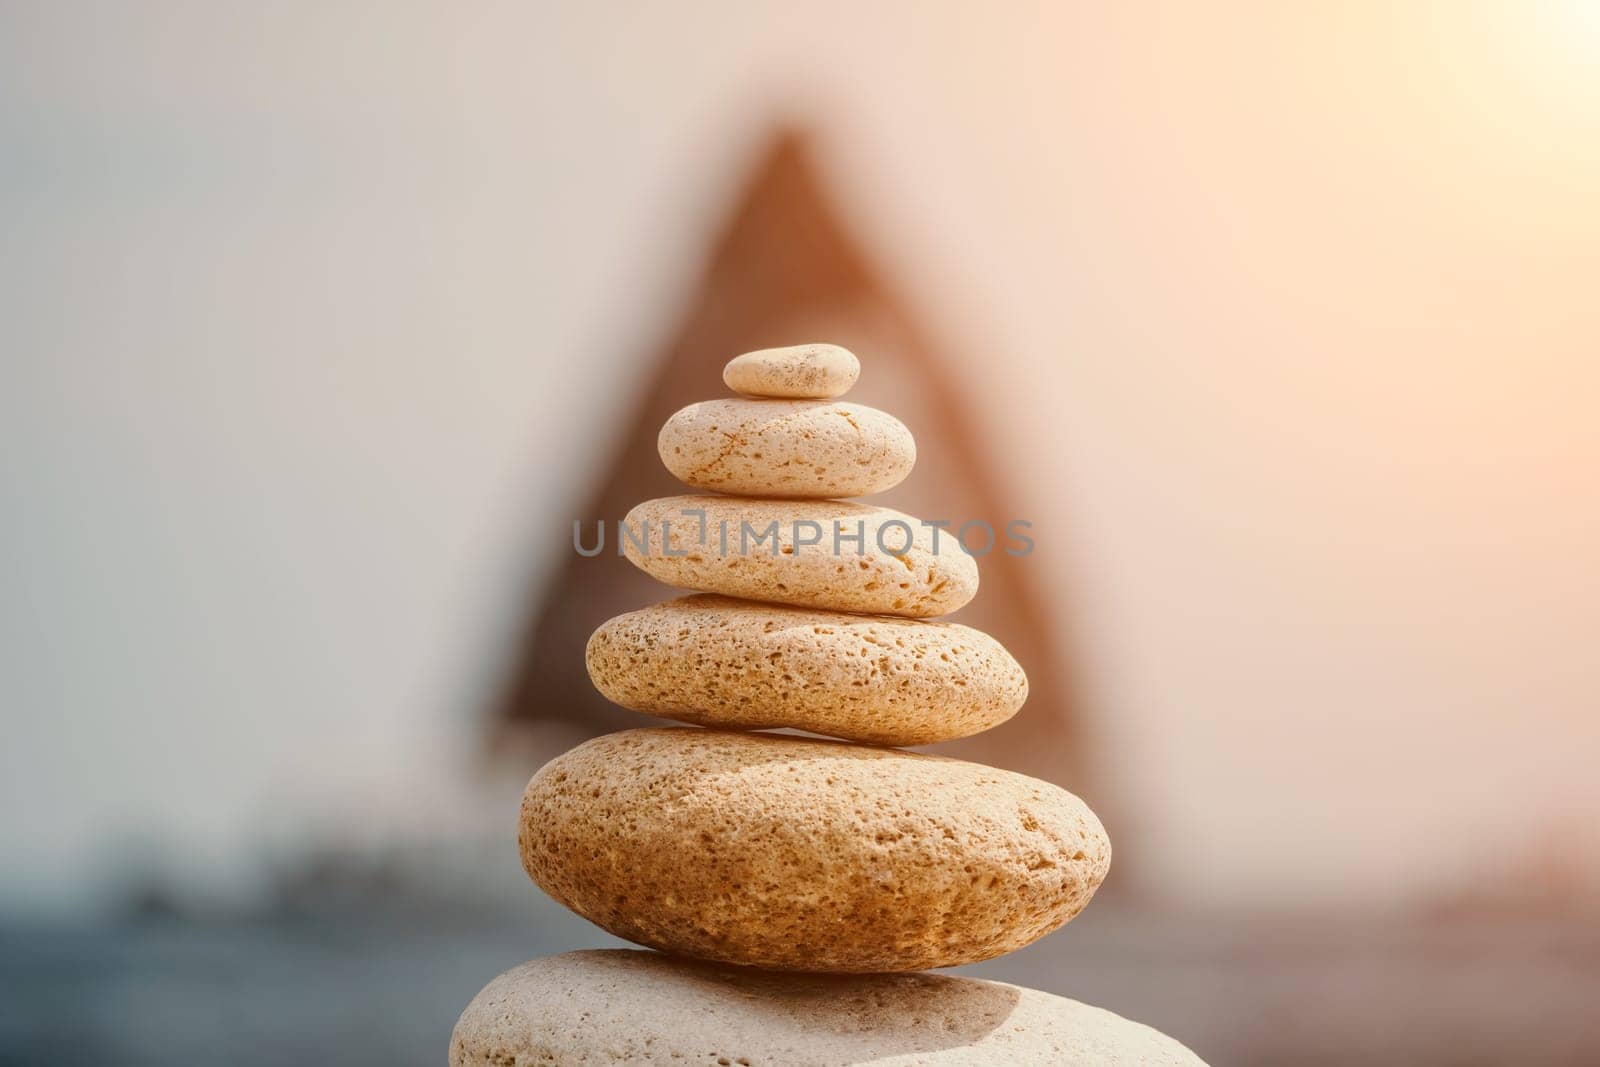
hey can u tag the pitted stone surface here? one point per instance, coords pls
(787, 448)
(856, 565)
(815, 371)
(798, 854)
(717, 661)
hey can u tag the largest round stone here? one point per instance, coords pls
(800, 854)
(603, 1007)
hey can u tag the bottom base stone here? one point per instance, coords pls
(640, 1007)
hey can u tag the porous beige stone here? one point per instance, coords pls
(800, 371)
(799, 854)
(723, 551)
(618, 1006)
(792, 448)
(717, 661)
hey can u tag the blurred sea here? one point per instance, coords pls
(381, 985)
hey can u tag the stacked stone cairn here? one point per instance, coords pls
(795, 886)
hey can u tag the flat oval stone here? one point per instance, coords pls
(797, 854)
(819, 372)
(791, 448)
(717, 661)
(719, 544)
(614, 1006)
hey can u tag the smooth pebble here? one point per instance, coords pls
(818, 372)
(790, 448)
(611, 1006)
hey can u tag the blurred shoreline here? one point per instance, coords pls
(376, 979)
(368, 956)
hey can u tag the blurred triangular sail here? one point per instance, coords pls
(785, 270)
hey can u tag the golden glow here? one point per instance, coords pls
(1554, 51)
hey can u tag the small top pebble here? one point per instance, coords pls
(810, 372)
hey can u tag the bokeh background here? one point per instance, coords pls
(321, 323)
